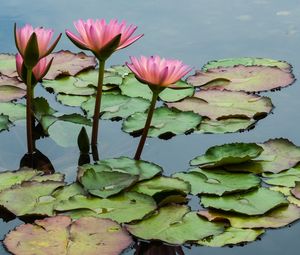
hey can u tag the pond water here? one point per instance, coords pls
(195, 31)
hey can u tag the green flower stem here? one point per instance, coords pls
(98, 104)
(147, 125)
(29, 118)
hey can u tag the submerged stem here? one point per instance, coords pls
(147, 125)
(29, 118)
(98, 104)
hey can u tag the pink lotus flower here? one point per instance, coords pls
(23, 36)
(39, 71)
(96, 35)
(158, 71)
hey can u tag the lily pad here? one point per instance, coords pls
(278, 155)
(65, 85)
(4, 122)
(9, 93)
(8, 65)
(121, 70)
(218, 182)
(174, 224)
(242, 78)
(71, 100)
(68, 63)
(233, 153)
(247, 61)
(164, 122)
(116, 106)
(59, 235)
(30, 198)
(276, 218)
(219, 105)
(296, 191)
(125, 207)
(161, 184)
(13, 111)
(287, 178)
(225, 126)
(133, 88)
(232, 236)
(256, 202)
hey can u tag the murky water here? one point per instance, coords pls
(194, 31)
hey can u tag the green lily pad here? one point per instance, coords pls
(65, 192)
(276, 218)
(59, 235)
(278, 155)
(242, 78)
(41, 107)
(219, 105)
(164, 122)
(174, 224)
(256, 202)
(13, 111)
(9, 93)
(71, 100)
(233, 153)
(133, 88)
(30, 198)
(104, 183)
(232, 236)
(68, 63)
(218, 182)
(8, 65)
(121, 70)
(161, 184)
(116, 106)
(145, 170)
(4, 122)
(65, 85)
(246, 61)
(287, 178)
(225, 126)
(125, 207)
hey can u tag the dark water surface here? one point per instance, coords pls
(194, 31)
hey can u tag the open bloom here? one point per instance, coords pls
(39, 71)
(97, 35)
(34, 43)
(158, 71)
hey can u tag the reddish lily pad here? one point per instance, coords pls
(59, 235)
(296, 191)
(278, 155)
(276, 218)
(242, 78)
(11, 89)
(217, 105)
(68, 63)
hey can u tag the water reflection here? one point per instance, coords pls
(157, 248)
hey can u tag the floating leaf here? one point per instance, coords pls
(65, 85)
(9, 93)
(174, 224)
(233, 153)
(133, 88)
(231, 62)
(122, 208)
(161, 184)
(71, 100)
(69, 63)
(287, 178)
(164, 122)
(217, 105)
(30, 198)
(8, 65)
(225, 126)
(41, 107)
(65, 192)
(242, 78)
(116, 106)
(59, 235)
(232, 236)
(218, 182)
(4, 122)
(256, 202)
(278, 155)
(121, 70)
(13, 111)
(296, 191)
(276, 218)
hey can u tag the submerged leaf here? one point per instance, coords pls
(174, 224)
(255, 202)
(242, 78)
(165, 121)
